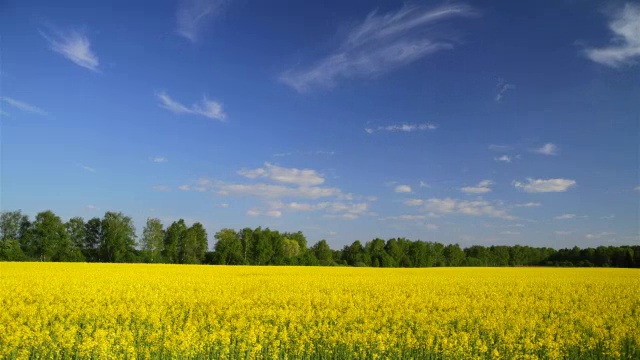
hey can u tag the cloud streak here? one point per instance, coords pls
(472, 208)
(401, 128)
(547, 149)
(74, 46)
(545, 185)
(503, 87)
(23, 106)
(483, 187)
(625, 44)
(379, 44)
(193, 15)
(300, 177)
(208, 108)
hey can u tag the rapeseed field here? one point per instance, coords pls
(109, 311)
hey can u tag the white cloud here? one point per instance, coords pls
(625, 44)
(91, 207)
(432, 226)
(599, 235)
(20, 105)
(402, 127)
(503, 158)
(483, 187)
(503, 87)
(208, 108)
(223, 205)
(542, 185)
(547, 149)
(407, 217)
(379, 44)
(565, 217)
(562, 232)
(300, 177)
(184, 187)
(529, 204)
(87, 168)
(509, 232)
(474, 208)
(403, 189)
(74, 46)
(414, 202)
(608, 217)
(424, 184)
(637, 188)
(162, 188)
(277, 191)
(193, 15)
(159, 159)
(253, 212)
(500, 148)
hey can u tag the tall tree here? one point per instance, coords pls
(323, 253)
(92, 239)
(15, 239)
(291, 248)
(10, 224)
(173, 236)
(77, 231)
(201, 241)
(118, 238)
(454, 255)
(153, 240)
(51, 239)
(228, 248)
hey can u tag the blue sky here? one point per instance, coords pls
(472, 123)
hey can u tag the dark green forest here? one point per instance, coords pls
(113, 239)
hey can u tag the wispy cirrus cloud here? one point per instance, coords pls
(23, 106)
(87, 168)
(529, 204)
(482, 187)
(600, 235)
(547, 149)
(73, 45)
(566, 217)
(401, 128)
(545, 185)
(289, 190)
(414, 202)
(473, 208)
(625, 44)
(300, 177)
(193, 15)
(503, 88)
(208, 108)
(403, 189)
(379, 44)
(503, 158)
(159, 159)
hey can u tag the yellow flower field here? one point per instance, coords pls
(177, 311)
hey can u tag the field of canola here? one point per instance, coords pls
(56, 310)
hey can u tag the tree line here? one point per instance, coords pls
(113, 239)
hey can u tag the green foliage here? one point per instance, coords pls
(112, 239)
(173, 236)
(153, 240)
(118, 238)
